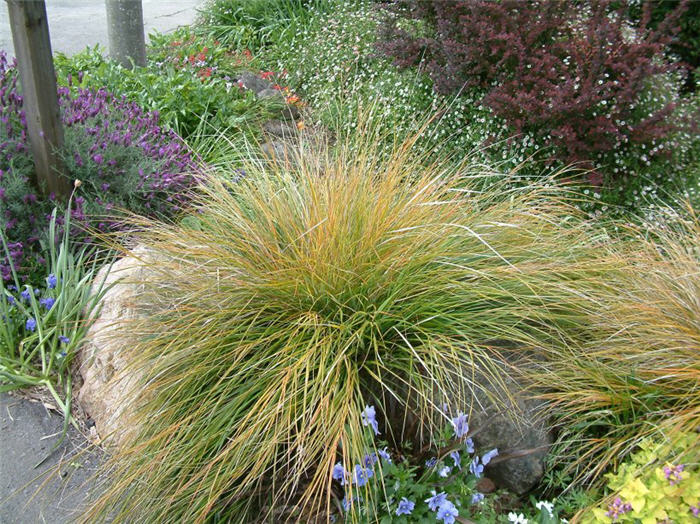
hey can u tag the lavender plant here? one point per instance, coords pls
(120, 153)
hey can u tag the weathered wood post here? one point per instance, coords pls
(30, 35)
(125, 31)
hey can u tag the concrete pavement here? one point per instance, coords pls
(75, 24)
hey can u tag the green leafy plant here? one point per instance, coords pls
(309, 288)
(182, 97)
(650, 487)
(334, 65)
(43, 327)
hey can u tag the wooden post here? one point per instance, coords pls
(30, 34)
(125, 31)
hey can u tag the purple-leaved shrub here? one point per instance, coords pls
(123, 158)
(571, 74)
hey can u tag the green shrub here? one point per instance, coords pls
(650, 487)
(352, 279)
(334, 65)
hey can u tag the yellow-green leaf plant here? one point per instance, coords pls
(659, 483)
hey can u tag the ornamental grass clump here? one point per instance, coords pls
(638, 378)
(294, 297)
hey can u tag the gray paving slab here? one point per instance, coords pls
(75, 24)
(54, 491)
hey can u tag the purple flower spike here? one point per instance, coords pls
(617, 508)
(674, 474)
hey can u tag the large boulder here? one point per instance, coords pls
(520, 432)
(108, 380)
(504, 414)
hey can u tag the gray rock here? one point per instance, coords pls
(522, 438)
(503, 415)
(276, 150)
(291, 112)
(251, 81)
(280, 128)
(274, 95)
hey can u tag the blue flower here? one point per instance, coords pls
(477, 497)
(347, 503)
(26, 294)
(362, 475)
(436, 501)
(458, 461)
(370, 460)
(459, 423)
(405, 507)
(447, 512)
(430, 463)
(51, 281)
(31, 324)
(369, 418)
(469, 444)
(384, 454)
(10, 299)
(489, 455)
(338, 469)
(444, 471)
(47, 302)
(476, 468)
(63, 339)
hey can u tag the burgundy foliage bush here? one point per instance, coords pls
(568, 73)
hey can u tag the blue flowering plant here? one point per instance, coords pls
(434, 486)
(43, 325)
